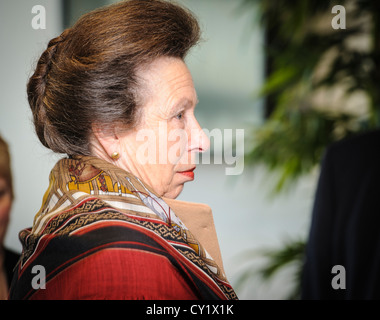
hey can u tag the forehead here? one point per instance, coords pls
(167, 78)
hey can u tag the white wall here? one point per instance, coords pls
(21, 45)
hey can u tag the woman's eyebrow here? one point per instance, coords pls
(185, 103)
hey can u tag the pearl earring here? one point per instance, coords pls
(115, 155)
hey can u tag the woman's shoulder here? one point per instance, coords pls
(118, 273)
(101, 253)
(111, 259)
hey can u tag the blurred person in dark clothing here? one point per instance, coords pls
(343, 249)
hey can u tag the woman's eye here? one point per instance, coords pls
(179, 116)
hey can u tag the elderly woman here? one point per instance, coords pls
(114, 94)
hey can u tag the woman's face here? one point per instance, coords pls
(5, 207)
(161, 150)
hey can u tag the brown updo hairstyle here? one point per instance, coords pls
(87, 75)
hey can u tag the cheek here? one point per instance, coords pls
(176, 152)
(164, 174)
(177, 146)
(5, 208)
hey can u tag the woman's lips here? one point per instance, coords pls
(188, 173)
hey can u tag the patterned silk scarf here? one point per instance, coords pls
(74, 180)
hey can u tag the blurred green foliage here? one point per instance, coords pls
(300, 42)
(307, 59)
(276, 260)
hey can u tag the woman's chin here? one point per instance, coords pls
(174, 192)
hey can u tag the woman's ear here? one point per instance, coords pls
(105, 142)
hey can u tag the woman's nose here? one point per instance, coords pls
(198, 142)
